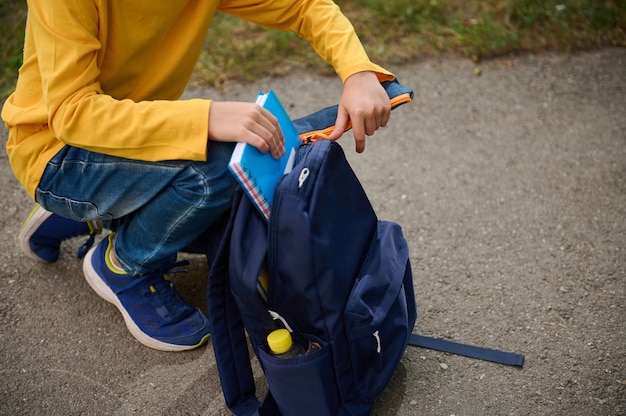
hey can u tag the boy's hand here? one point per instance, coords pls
(365, 103)
(231, 121)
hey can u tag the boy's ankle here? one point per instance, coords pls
(111, 260)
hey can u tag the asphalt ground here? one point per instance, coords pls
(510, 187)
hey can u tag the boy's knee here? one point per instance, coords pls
(208, 185)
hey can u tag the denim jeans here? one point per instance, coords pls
(156, 208)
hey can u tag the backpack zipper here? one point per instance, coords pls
(304, 173)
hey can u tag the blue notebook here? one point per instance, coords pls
(258, 173)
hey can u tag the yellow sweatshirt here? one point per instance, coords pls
(106, 75)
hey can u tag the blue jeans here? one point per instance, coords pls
(156, 208)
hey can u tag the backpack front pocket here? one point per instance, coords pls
(377, 318)
(302, 385)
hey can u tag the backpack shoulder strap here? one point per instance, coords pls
(496, 356)
(227, 332)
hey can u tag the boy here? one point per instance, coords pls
(97, 135)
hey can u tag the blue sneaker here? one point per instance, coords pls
(153, 311)
(41, 234)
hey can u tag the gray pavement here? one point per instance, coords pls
(511, 190)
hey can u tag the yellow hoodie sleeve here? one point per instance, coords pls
(320, 22)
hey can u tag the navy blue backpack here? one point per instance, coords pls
(338, 276)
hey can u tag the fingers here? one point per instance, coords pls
(359, 128)
(263, 132)
(341, 124)
(248, 123)
(366, 121)
(365, 103)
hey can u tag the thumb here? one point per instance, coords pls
(340, 124)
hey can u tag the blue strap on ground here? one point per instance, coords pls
(496, 356)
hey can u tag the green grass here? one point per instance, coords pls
(393, 32)
(12, 21)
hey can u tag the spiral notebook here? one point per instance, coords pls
(257, 172)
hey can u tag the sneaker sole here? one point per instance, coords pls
(105, 292)
(36, 217)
